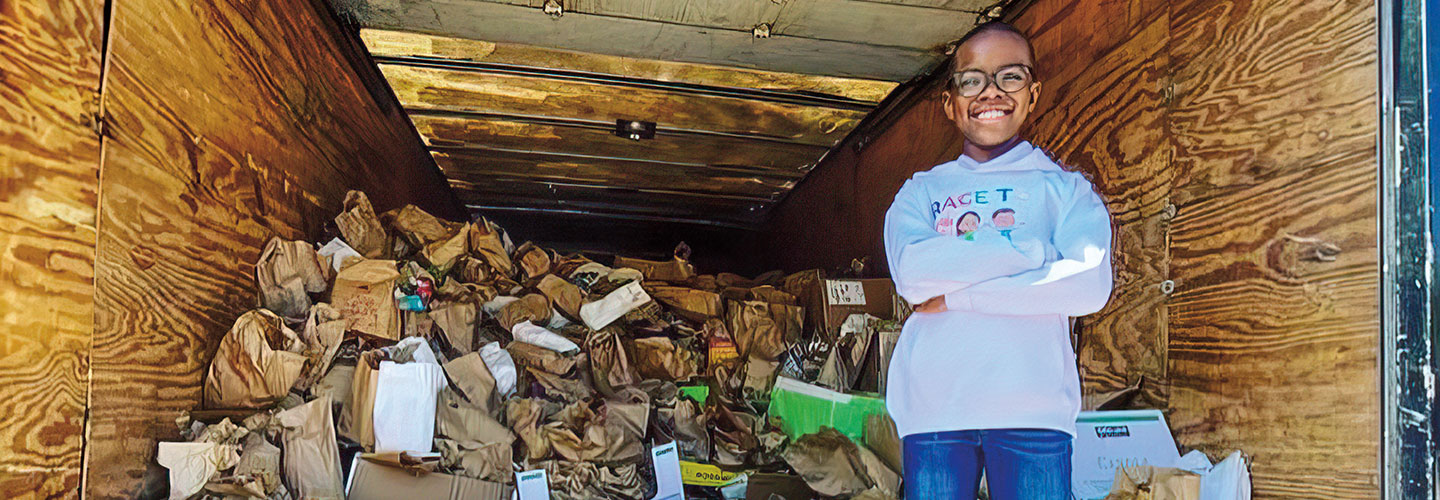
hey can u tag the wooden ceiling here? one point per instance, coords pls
(518, 106)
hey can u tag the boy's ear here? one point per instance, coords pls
(945, 99)
(1034, 94)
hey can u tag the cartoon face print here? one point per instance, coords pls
(967, 223)
(1003, 218)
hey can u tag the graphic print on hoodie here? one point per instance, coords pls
(1016, 245)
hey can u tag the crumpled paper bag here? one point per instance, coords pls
(534, 261)
(763, 330)
(525, 416)
(502, 368)
(485, 244)
(472, 441)
(258, 362)
(689, 425)
(584, 481)
(540, 358)
(533, 334)
(534, 308)
(829, 462)
(1147, 482)
(732, 436)
(614, 434)
(361, 228)
(566, 297)
(357, 421)
(364, 293)
(671, 271)
(322, 334)
(312, 457)
(440, 242)
(694, 305)
(287, 272)
(260, 460)
(476, 384)
(458, 321)
(660, 358)
(562, 387)
(609, 362)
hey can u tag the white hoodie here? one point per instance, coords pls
(1017, 246)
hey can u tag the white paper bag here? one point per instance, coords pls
(530, 333)
(191, 466)
(404, 412)
(600, 313)
(501, 366)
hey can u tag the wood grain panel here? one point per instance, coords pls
(1102, 112)
(50, 57)
(403, 43)
(441, 89)
(1273, 345)
(256, 129)
(620, 173)
(794, 159)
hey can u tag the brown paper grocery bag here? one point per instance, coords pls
(322, 333)
(610, 367)
(287, 272)
(357, 423)
(565, 296)
(485, 244)
(695, 305)
(361, 228)
(671, 271)
(763, 330)
(458, 321)
(1146, 482)
(476, 384)
(540, 358)
(534, 261)
(659, 358)
(364, 293)
(258, 362)
(534, 308)
(829, 462)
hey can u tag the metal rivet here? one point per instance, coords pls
(761, 30)
(553, 8)
(1167, 287)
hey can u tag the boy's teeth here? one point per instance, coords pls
(986, 115)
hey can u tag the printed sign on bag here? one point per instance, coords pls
(532, 485)
(844, 293)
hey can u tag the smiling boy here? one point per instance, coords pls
(984, 377)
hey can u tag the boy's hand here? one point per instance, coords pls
(936, 304)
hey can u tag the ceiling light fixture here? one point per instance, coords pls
(554, 9)
(635, 130)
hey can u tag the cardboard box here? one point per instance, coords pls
(1106, 440)
(372, 481)
(841, 298)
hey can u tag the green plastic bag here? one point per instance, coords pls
(803, 408)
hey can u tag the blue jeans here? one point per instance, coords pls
(1020, 464)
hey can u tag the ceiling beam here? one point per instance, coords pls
(606, 125)
(578, 160)
(387, 43)
(576, 212)
(555, 187)
(447, 89)
(719, 152)
(544, 167)
(683, 88)
(629, 37)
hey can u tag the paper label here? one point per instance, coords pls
(668, 483)
(844, 293)
(705, 474)
(532, 485)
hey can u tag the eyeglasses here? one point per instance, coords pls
(1009, 79)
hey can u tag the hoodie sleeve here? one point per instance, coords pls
(925, 263)
(1076, 284)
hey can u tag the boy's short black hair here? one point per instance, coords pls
(987, 27)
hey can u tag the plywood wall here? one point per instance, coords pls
(50, 55)
(1234, 144)
(228, 122)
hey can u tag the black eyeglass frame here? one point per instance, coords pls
(990, 79)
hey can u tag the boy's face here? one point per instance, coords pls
(1003, 112)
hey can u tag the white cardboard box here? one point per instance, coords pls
(1106, 440)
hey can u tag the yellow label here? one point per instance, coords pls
(705, 474)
